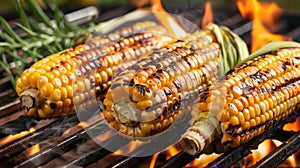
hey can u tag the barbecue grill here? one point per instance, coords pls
(68, 142)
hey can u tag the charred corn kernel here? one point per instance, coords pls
(69, 76)
(254, 108)
(161, 86)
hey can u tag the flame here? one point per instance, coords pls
(169, 152)
(291, 159)
(34, 149)
(263, 150)
(11, 137)
(153, 161)
(130, 147)
(263, 15)
(295, 126)
(203, 160)
(208, 14)
(83, 124)
(139, 3)
(105, 136)
(167, 20)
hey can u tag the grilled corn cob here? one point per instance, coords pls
(251, 98)
(52, 86)
(147, 98)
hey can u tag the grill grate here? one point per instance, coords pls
(56, 147)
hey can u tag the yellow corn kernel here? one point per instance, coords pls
(91, 66)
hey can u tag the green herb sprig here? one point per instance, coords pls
(41, 35)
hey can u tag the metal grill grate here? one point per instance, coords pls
(56, 147)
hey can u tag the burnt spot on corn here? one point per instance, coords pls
(177, 84)
(174, 67)
(203, 96)
(135, 67)
(115, 85)
(157, 75)
(159, 70)
(168, 91)
(53, 105)
(165, 112)
(128, 83)
(193, 47)
(142, 89)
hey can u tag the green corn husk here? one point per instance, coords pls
(272, 46)
(233, 48)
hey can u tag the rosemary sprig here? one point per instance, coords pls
(41, 36)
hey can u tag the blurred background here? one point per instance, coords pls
(290, 6)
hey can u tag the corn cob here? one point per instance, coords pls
(251, 98)
(147, 98)
(52, 86)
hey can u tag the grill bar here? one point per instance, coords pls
(58, 126)
(64, 146)
(156, 142)
(98, 153)
(281, 153)
(10, 108)
(231, 157)
(54, 129)
(179, 160)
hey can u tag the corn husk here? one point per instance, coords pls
(233, 48)
(270, 47)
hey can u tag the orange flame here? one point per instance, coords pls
(167, 20)
(263, 15)
(203, 160)
(34, 149)
(208, 14)
(83, 124)
(263, 150)
(130, 147)
(169, 152)
(105, 136)
(295, 126)
(11, 137)
(153, 161)
(291, 159)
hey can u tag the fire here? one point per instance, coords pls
(104, 137)
(203, 160)
(11, 137)
(83, 124)
(167, 20)
(208, 14)
(153, 161)
(130, 147)
(169, 152)
(295, 126)
(291, 159)
(34, 149)
(263, 150)
(263, 15)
